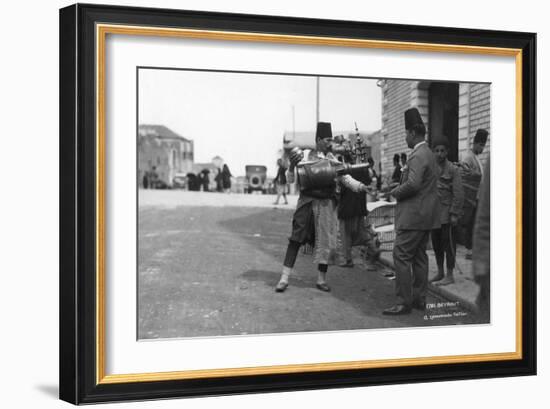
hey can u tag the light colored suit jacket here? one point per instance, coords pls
(418, 205)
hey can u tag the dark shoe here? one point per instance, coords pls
(398, 309)
(323, 287)
(419, 305)
(281, 286)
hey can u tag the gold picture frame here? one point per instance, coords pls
(87, 357)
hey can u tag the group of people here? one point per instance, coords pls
(316, 219)
(399, 162)
(223, 179)
(151, 178)
(434, 197)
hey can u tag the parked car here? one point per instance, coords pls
(179, 181)
(255, 178)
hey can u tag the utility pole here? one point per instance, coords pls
(317, 102)
(293, 124)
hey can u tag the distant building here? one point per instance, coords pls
(164, 149)
(218, 161)
(453, 109)
(306, 140)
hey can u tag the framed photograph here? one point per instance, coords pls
(257, 203)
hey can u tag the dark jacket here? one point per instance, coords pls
(450, 191)
(396, 175)
(226, 178)
(280, 179)
(418, 206)
(482, 229)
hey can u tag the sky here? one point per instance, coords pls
(242, 117)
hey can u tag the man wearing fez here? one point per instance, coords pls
(416, 214)
(315, 220)
(472, 172)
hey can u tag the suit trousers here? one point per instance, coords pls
(411, 265)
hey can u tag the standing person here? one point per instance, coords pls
(146, 180)
(451, 197)
(403, 160)
(153, 178)
(354, 231)
(218, 180)
(280, 181)
(396, 175)
(226, 178)
(200, 182)
(482, 242)
(315, 219)
(372, 172)
(205, 180)
(472, 172)
(416, 214)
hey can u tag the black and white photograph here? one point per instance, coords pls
(280, 203)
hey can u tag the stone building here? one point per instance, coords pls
(453, 109)
(164, 149)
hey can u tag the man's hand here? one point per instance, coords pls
(366, 188)
(295, 157)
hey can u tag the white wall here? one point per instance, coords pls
(29, 209)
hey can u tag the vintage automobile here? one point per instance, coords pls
(255, 178)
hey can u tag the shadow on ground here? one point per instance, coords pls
(50, 390)
(271, 278)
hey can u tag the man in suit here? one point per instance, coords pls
(416, 213)
(472, 172)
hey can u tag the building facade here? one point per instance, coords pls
(165, 150)
(455, 110)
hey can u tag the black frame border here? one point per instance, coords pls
(78, 197)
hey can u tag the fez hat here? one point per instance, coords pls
(324, 130)
(440, 140)
(412, 118)
(481, 136)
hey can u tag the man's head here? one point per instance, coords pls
(414, 126)
(396, 159)
(403, 159)
(480, 140)
(323, 137)
(440, 148)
